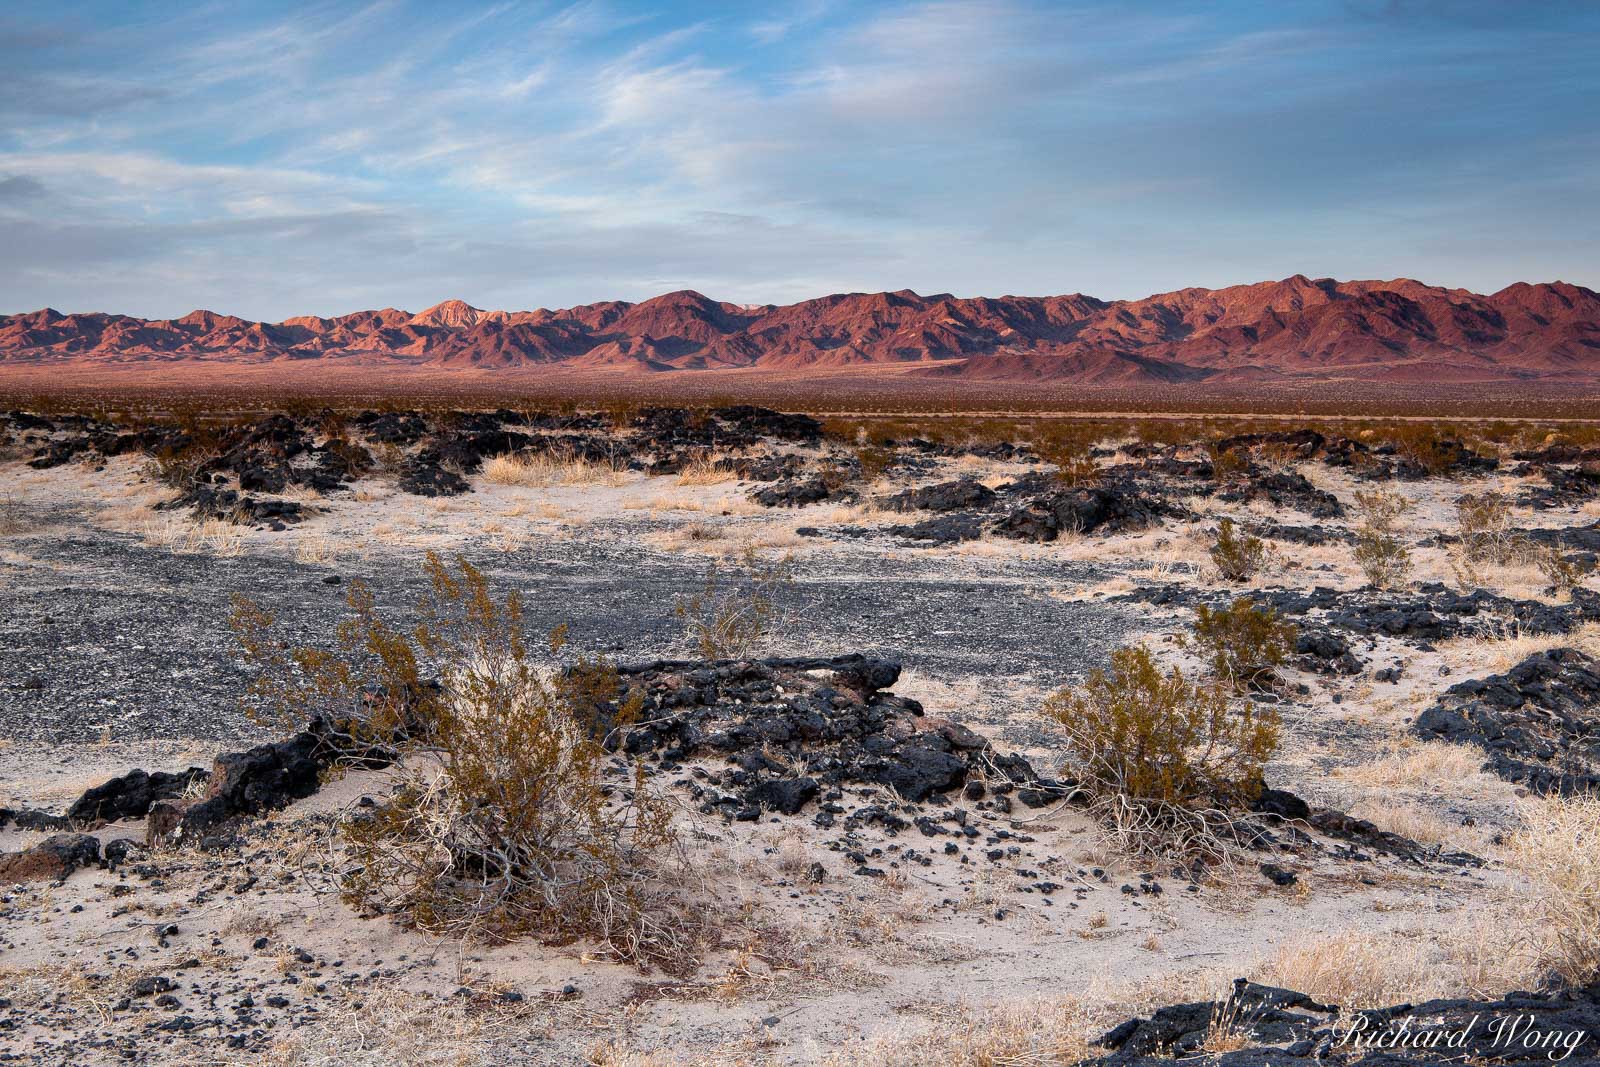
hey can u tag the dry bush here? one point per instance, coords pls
(501, 822)
(13, 520)
(1422, 445)
(1382, 557)
(1484, 520)
(1162, 759)
(873, 461)
(1381, 509)
(1563, 574)
(1238, 555)
(1243, 643)
(544, 469)
(1068, 446)
(178, 468)
(1558, 851)
(1226, 463)
(737, 608)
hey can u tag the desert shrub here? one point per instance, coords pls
(1484, 520)
(1421, 444)
(1382, 557)
(1160, 757)
(178, 468)
(1564, 573)
(1069, 446)
(1238, 554)
(736, 608)
(1226, 463)
(1558, 851)
(873, 461)
(389, 458)
(1244, 643)
(1381, 509)
(1074, 466)
(501, 822)
(12, 517)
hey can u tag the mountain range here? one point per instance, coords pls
(1296, 329)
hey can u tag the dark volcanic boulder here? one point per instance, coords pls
(1279, 1027)
(1086, 509)
(765, 422)
(130, 795)
(790, 727)
(51, 859)
(963, 493)
(793, 494)
(263, 779)
(1285, 489)
(1539, 722)
(215, 502)
(422, 478)
(1429, 613)
(943, 529)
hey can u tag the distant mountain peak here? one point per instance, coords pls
(454, 314)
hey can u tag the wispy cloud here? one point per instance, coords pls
(271, 161)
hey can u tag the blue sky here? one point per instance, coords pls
(279, 159)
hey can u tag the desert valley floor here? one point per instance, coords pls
(919, 897)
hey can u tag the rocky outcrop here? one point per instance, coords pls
(129, 796)
(1106, 508)
(791, 728)
(946, 496)
(1270, 1026)
(1431, 612)
(262, 779)
(52, 859)
(1538, 723)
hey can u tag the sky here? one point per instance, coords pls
(268, 160)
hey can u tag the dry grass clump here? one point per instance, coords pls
(1365, 969)
(1416, 765)
(738, 607)
(1047, 1034)
(386, 1026)
(1497, 642)
(1558, 851)
(178, 468)
(541, 470)
(1409, 821)
(1545, 930)
(502, 821)
(201, 536)
(1244, 644)
(707, 470)
(1162, 759)
(1484, 520)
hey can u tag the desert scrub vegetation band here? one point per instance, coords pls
(501, 822)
